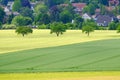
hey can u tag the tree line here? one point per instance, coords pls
(49, 13)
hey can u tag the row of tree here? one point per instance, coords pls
(59, 28)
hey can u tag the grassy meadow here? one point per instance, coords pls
(10, 41)
(72, 56)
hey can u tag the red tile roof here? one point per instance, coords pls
(79, 5)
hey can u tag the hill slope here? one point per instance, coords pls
(101, 55)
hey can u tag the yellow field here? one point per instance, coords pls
(63, 76)
(10, 41)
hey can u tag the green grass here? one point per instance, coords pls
(10, 41)
(103, 55)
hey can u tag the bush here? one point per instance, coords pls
(8, 26)
(70, 26)
(102, 28)
(43, 26)
(112, 26)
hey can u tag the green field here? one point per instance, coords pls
(72, 56)
(101, 55)
(10, 41)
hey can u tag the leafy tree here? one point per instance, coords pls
(41, 8)
(37, 18)
(87, 29)
(112, 26)
(26, 12)
(17, 5)
(57, 28)
(90, 9)
(9, 19)
(102, 9)
(4, 2)
(2, 14)
(55, 14)
(24, 30)
(25, 3)
(86, 9)
(79, 21)
(70, 26)
(116, 11)
(21, 21)
(90, 23)
(104, 2)
(118, 29)
(66, 16)
(45, 19)
(51, 3)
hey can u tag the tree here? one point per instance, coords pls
(51, 3)
(9, 19)
(70, 26)
(102, 9)
(90, 23)
(90, 9)
(25, 3)
(118, 29)
(26, 12)
(4, 2)
(57, 28)
(2, 14)
(41, 8)
(104, 2)
(55, 14)
(17, 5)
(112, 26)
(24, 30)
(79, 21)
(45, 19)
(87, 29)
(21, 21)
(66, 16)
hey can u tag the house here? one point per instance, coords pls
(78, 7)
(114, 2)
(86, 16)
(97, 11)
(33, 5)
(103, 20)
(110, 8)
(118, 17)
(10, 4)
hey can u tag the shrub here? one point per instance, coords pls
(43, 26)
(8, 26)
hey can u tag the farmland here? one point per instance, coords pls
(10, 41)
(72, 56)
(76, 57)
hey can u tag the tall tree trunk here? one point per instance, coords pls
(57, 34)
(88, 33)
(23, 35)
